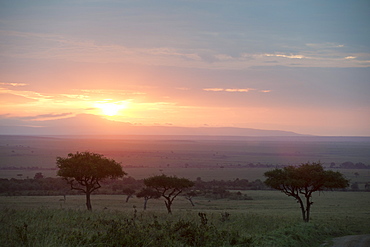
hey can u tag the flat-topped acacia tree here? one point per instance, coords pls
(148, 193)
(168, 187)
(303, 180)
(84, 171)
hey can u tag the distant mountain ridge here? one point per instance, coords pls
(86, 124)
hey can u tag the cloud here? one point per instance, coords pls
(324, 45)
(242, 90)
(32, 95)
(229, 90)
(49, 46)
(13, 84)
(213, 89)
(12, 99)
(51, 116)
(109, 92)
(170, 52)
(235, 90)
(76, 96)
(284, 56)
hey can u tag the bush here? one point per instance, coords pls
(58, 227)
(82, 228)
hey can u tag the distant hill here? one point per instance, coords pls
(86, 124)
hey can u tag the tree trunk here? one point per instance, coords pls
(145, 202)
(128, 197)
(191, 201)
(308, 208)
(168, 206)
(88, 201)
(302, 208)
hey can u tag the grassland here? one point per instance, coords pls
(41, 152)
(190, 158)
(361, 176)
(270, 219)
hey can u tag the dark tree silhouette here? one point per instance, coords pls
(303, 180)
(84, 171)
(189, 196)
(148, 193)
(129, 192)
(354, 186)
(168, 187)
(38, 175)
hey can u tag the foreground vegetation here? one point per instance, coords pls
(270, 219)
(221, 213)
(58, 227)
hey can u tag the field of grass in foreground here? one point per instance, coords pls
(270, 219)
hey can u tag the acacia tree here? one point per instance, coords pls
(168, 187)
(148, 193)
(301, 181)
(84, 171)
(129, 192)
(189, 196)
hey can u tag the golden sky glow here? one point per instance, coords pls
(111, 108)
(203, 65)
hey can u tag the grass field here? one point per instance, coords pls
(270, 219)
(328, 204)
(361, 176)
(208, 159)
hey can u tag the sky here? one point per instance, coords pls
(301, 66)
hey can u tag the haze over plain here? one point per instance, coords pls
(299, 66)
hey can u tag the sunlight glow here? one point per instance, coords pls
(109, 108)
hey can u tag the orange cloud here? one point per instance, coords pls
(241, 90)
(234, 90)
(214, 89)
(52, 116)
(13, 84)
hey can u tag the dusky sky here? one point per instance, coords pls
(301, 66)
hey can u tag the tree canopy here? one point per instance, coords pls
(129, 192)
(84, 171)
(303, 180)
(148, 193)
(168, 187)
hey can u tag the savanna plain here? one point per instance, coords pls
(267, 218)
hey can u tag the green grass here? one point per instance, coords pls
(60, 227)
(206, 173)
(270, 219)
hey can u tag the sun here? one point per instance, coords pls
(110, 109)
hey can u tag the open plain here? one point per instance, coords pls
(21, 154)
(269, 219)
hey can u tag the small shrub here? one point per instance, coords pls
(225, 216)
